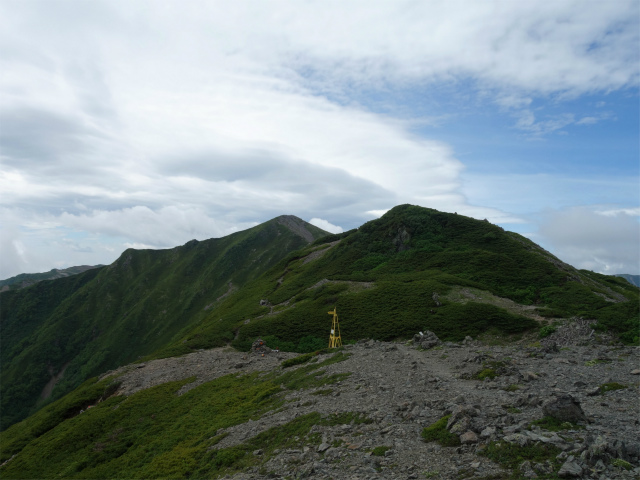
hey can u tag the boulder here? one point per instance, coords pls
(570, 468)
(564, 408)
(426, 340)
(468, 437)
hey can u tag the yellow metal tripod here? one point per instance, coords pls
(335, 340)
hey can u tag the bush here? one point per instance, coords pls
(555, 425)
(299, 360)
(486, 373)
(512, 455)
(609, 387)
(437, 432)
(380, 451)
(546, 331)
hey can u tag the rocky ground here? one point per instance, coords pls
(403, 388)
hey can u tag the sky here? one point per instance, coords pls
(145, 124)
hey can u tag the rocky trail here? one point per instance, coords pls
(492, 394)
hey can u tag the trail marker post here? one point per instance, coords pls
(335, 340)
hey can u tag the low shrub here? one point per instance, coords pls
(380, 451)
(485, 373)
(555, 425)
(437, 432)
(546, 331)
(609, 387)
(512, 455)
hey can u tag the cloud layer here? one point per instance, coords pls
(151, 123)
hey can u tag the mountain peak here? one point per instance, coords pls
(300, 227)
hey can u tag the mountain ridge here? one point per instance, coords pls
(24, 280)
(108, 316)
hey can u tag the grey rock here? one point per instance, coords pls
(460, 426)
(323, 447)
(570, 468)
(564, 408)
(488, 432)
(468, 437)
(527, 470)
(518, 439)
(427, 340)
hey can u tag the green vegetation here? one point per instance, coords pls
(511, 456)
(437, 432)
(512, 388)
(555, 425)
(106, 317)
(491, 369)
(310, 376)
(546, 331)
(326, 391)
(485, 373)
(156, 433)
(380, 451)
(299, 360)
(618, 462)
(608, 387)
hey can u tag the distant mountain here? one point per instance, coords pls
(27, 279)
(56, 334)
(632, 279)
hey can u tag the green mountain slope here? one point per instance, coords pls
(414, 269)
(95, 321)
(27, 279)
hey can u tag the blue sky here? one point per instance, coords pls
(145, 124)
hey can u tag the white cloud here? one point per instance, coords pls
(620, 211)
(325, 225)
(152, 123)
(166, 227)
(584, 238)
(587, 121)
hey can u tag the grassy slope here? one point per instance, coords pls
(408, 254)
(156, 433)
(110, 316)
